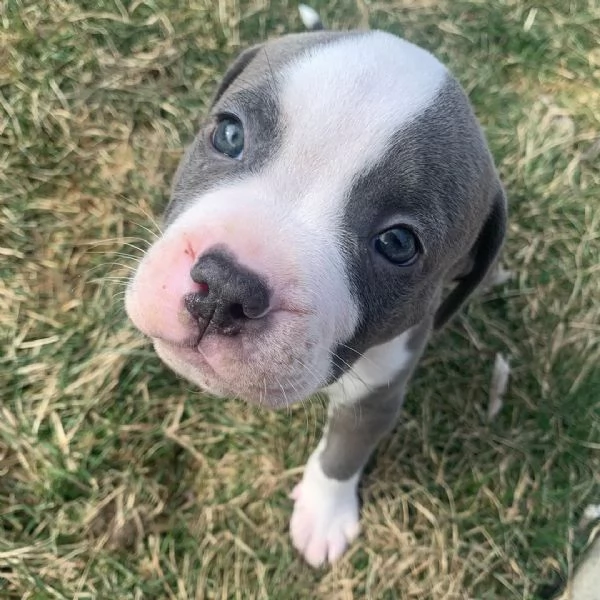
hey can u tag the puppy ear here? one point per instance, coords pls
(482, 257)
(234, 71)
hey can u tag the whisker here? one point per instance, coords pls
(302, 400)
(318, 380)
(308, 402)
(128, 268)
(119, 255)
(260, 397)
(351, 369)
(344, 392)
(119, 296)
(116, 240)
(110, 266)
(155, 235)
(145, 213)
(283, 392)
(133, 259)
(112, 279)
(138, 249)
(361, 355)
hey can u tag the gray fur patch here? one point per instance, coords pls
(438, 178)
(249, 90)
(354, 430)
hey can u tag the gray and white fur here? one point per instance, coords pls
(327, 158)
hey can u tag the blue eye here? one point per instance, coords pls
(399, 245)
(228, 137)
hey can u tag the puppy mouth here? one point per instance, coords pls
(252, 382)
(190, 353)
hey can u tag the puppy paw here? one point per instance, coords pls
(325, 517)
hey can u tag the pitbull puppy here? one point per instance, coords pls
(340, 182)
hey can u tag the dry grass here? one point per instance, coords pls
(119, 481)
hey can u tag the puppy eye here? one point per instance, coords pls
(228, 137)
(399, 245)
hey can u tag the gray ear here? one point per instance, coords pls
(234, 71)
(483, 255)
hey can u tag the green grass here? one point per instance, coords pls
(117, 480)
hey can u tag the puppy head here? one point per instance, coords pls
(339, 182)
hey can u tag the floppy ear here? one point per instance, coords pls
(240, 63)
(482, 255)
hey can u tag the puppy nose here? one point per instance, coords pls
(229, 293)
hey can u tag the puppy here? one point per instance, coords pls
(339, 184)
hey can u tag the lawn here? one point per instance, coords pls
(119, 481)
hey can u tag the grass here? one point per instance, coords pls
(117, 480)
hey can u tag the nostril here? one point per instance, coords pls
(239, 311)
(236, 311)
(203, 288)
(198, 305)
(256, 307)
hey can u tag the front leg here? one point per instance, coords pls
(364, 406)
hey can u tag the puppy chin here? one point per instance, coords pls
(255, 384)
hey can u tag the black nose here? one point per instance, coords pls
(230, 294)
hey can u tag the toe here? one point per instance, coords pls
(336, 546)
(351, 529)
(300, 529)
(316, 551)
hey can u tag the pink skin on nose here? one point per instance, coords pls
(154, 300)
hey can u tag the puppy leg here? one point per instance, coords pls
(362, 410)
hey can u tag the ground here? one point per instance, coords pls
(118, 480)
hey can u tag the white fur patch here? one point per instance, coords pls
(325, 518)
(340, 104)
(377, 367)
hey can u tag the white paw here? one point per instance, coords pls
(325, 517)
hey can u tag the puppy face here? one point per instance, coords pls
(339, 181)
